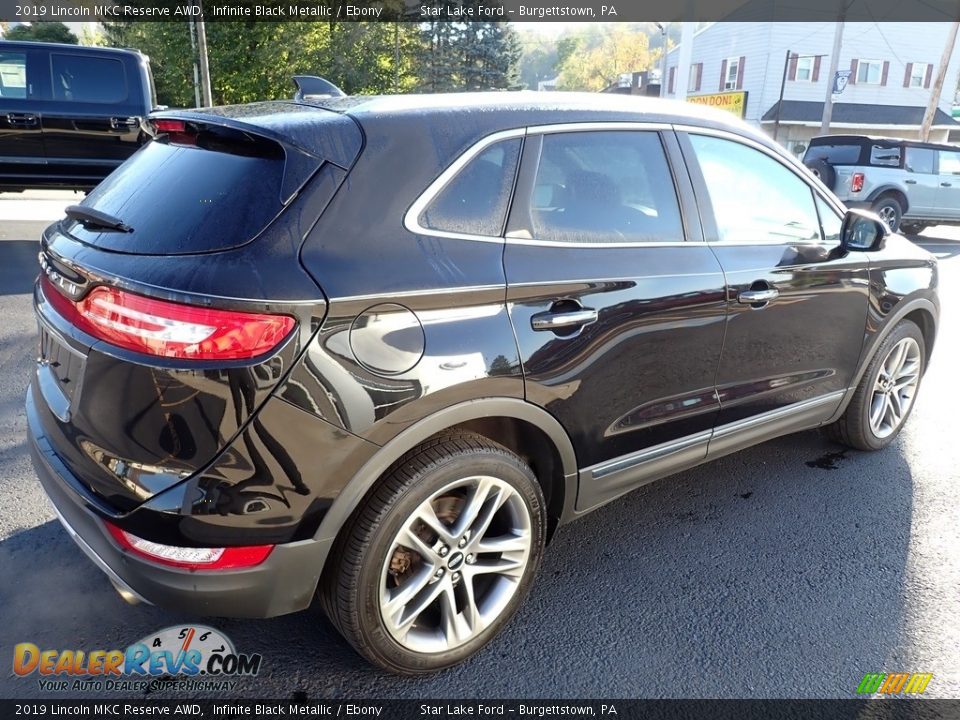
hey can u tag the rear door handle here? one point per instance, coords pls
(562, 320)
(22, 119)
(910, 182)
(753, 297)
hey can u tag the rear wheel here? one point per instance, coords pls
(884, 398)
(890, 211)
(913, 228)
(440, 557)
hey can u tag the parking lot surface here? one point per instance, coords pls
(788, 570)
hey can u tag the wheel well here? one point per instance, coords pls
(535, 448)
(896, 194)
(924, 320)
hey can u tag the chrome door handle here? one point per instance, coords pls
(560, 320)
(122, 123)
(750, 297)
(21, 119)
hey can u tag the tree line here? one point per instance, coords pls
(255, 60)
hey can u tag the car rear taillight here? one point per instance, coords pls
(167, 329)
(191, 558)
(856, 182)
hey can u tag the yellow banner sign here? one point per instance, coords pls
(734, 102)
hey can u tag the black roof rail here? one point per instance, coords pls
(312, 86)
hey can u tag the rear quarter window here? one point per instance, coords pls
(13, 75)
(475, 201)
(884, 156)
(85, 79)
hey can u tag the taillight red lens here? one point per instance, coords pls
(168, 329)
(856, 182)
(229, 558)
(166, 126)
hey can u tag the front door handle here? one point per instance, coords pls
(755, 297)
(551, 320)
(946, 185)
(22, 119)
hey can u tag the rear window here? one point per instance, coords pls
(79, 78)
(834, 154)
(188, 199)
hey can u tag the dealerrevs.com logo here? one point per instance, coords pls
(195, 657)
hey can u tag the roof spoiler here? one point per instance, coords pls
(311, 86)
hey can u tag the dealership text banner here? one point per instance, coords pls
(478, 11)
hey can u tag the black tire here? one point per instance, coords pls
(890, 209)
(853, 428)
(350, 591)
(823, 170)
(912, 228)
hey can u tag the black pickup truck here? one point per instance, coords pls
(69, 115)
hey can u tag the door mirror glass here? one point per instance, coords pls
(862, 231)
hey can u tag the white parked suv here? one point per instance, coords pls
(910, 184)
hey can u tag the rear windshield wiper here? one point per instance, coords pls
(95, 220)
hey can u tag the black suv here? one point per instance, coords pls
(377, 349)
(69, 115)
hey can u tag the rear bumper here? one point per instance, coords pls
(284, 583)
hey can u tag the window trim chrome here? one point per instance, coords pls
(411, 220)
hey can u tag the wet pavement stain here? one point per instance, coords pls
(828, 461)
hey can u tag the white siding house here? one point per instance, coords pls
(891, 65)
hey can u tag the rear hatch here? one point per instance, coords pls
(172, 301)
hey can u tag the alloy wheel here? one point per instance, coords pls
(455, 564)
(888, 215)
(895, 387)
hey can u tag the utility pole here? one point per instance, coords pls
(204, 60)
(783, 87)
(834, 66)
(195, 62)
(663, 58)
(938, 83)
(682, 82)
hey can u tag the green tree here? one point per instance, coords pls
(468, 56)
(54, 32)
(252, 61)
(597, 62)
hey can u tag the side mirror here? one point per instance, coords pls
(862, 231)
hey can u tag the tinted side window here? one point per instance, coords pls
(949, 163)
(475, 201)
(13, 75)
(88, 79)
(595, 187)
(754, 197)
(919, 160)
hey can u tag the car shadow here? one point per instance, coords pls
(778, 567)
(18, 266)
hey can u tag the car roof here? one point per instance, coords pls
(825, 139)
(85, 49)
(534, 102)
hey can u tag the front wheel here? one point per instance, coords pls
(884, 398)
(439, 557)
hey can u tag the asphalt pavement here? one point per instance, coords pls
(787, 570)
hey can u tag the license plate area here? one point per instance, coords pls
(59, 373)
